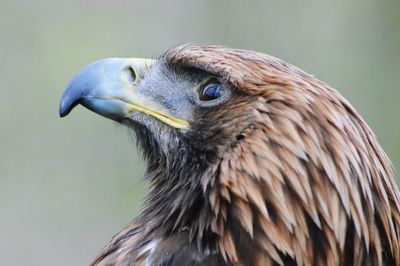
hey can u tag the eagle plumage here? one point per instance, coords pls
(284, 171)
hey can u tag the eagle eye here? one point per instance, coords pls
(211, 90)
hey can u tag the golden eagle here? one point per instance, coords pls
(251, 161)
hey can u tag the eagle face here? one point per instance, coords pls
(171, 107)
(251, 161)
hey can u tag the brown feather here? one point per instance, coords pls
(308, 183)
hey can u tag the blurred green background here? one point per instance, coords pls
(67, 185)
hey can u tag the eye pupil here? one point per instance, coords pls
(211, 91)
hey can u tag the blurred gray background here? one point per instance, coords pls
(67, 185)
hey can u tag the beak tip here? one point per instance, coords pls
(66, 106)
(63, 113)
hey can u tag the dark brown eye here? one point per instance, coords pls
(211, 90)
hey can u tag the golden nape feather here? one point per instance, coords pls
(283, 171)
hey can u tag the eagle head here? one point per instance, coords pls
(251, 161)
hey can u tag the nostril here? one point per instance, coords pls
(129, 75)
(132, 74)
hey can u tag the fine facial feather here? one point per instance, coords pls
(285, 172)
(312, 157)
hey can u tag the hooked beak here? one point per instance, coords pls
(107, 87)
